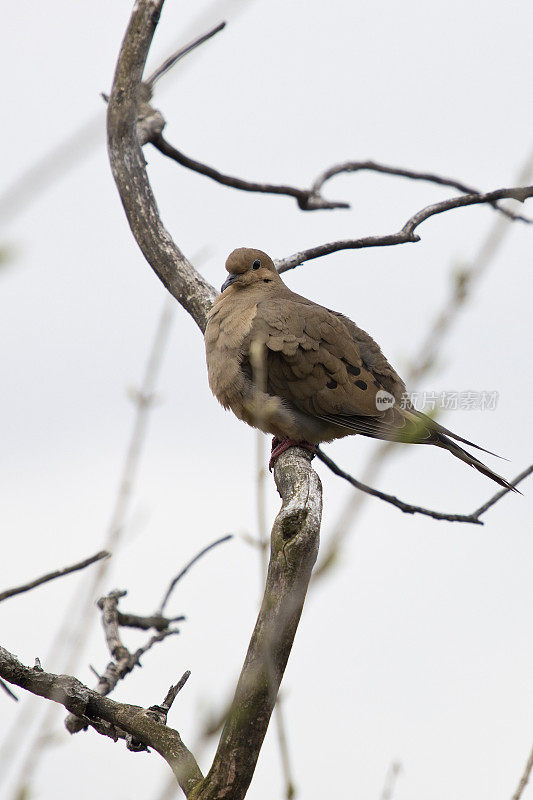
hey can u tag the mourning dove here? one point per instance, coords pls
(322, 377)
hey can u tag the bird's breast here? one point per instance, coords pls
(227, 331)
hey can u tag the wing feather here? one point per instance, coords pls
(314, 362)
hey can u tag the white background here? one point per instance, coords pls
(417, 647)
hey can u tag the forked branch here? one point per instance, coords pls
(407, 233)
(473, 518)
(150, 125)
(106, 716)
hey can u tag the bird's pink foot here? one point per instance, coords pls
(280, 445)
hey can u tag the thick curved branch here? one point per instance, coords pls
(474, 518)
(106, 716)
(407, 233)
(129, 170)
(294, 548)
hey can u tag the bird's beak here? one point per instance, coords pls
(229, 280)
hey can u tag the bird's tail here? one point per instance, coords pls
(446, 443)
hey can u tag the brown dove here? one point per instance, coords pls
(319, 377)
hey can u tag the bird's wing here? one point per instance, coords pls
(316, 363)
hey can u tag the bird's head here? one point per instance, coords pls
(249, 267)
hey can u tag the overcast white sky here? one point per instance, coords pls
(418, 647)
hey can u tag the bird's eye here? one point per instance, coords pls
(256, 264)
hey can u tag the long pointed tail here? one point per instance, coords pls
(446, 443)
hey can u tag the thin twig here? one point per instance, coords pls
(427, 355)
(72, 151)
(156, 621)
(524, 779)
(133, 453)
(391, 779)
(150, 123)
(407, 232)
(279, 717)
(187, 567)
(47, 170)
(8, 691)
(50, 576)
(408, 508)
(519, 478)
(109, 608)
(74, 632)
(179, 54)
(122, 660)
(174, 690)
(307, 200)
(155, 639)
(412, 174)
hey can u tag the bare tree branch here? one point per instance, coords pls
(127, 163)
(262, 544)
(106, 716)
(175, 690)
(187, 567)
(407, 508)
(493, 500)
(155, 621)
(279, 717)
(391, 779)
(42, 173)
(245, 728)
(8, 691)
(407, 233)
(416, 175)
(294, 547)
(181, 53)
(122, 660)
(50, 576)
(72, 151)
(524, 779)
(427, 354)
(71, 634)
(242, 737)
(151, 123)
(307, 199)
